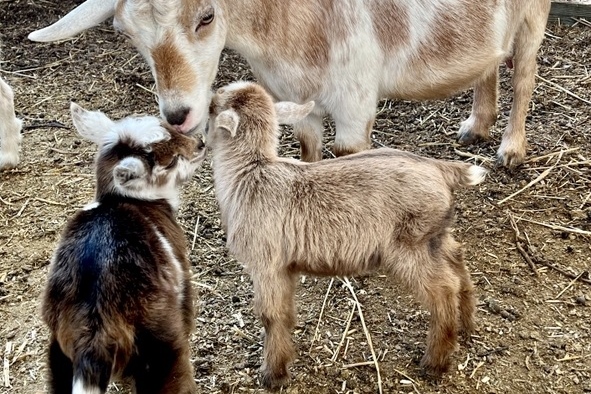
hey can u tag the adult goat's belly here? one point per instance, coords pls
(436, 78)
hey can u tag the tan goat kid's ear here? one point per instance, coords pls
(227, 120)
(290, 113)
(91, 125)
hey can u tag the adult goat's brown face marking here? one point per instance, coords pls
(172, 69)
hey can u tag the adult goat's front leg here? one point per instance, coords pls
(309, 133)
(484, 109)
(274, 304)
(354, 124)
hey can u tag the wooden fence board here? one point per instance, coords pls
(568, 13)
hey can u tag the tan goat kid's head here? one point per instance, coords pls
(180, 39)
(245, 106)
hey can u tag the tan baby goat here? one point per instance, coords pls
(378, 209)
(118, 300)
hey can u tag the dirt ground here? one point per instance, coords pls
(534, 333)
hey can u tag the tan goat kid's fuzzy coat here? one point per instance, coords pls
(379, 209)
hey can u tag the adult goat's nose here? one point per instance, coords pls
(178, 116)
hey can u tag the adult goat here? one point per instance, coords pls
(344, 55)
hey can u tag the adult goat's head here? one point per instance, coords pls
(180, 39)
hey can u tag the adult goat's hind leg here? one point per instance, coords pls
(511, 153)
(274, 304)
(484, 109)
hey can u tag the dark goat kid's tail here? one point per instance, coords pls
(92, 371)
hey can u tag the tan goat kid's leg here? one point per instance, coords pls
(275, 305)
(452, 254)
(437, 286)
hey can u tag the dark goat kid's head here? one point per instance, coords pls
(139, 156)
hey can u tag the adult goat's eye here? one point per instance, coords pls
(173, 162)
(206, 20)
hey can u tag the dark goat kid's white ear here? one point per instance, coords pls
(127, 170)
(290, 113)
(227, 120)
(91, 125)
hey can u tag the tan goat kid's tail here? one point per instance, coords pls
(461, 174)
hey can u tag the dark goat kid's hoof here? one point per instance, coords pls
(274, 381)
(433, 371)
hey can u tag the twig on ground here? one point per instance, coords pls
(345, 333)
(367, 334)
(585, 200)
(562, 89)
(548, 264)
(480, 364)
(532, 259)
(573, 230)
(472, 156)
(549, 155)
(146, 89)
(569, 285)
(20, 211)
(538, 179)
(519, 238)
(321, 313)
(6, 370)
(63, 152)
(360, 364)
(50, 202)
(195, 233)
(58, 125)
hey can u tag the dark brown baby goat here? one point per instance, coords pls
(378, 209)
(118, 300)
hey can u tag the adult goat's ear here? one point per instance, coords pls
(290, 113)
(227, 120)
(91, 125)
